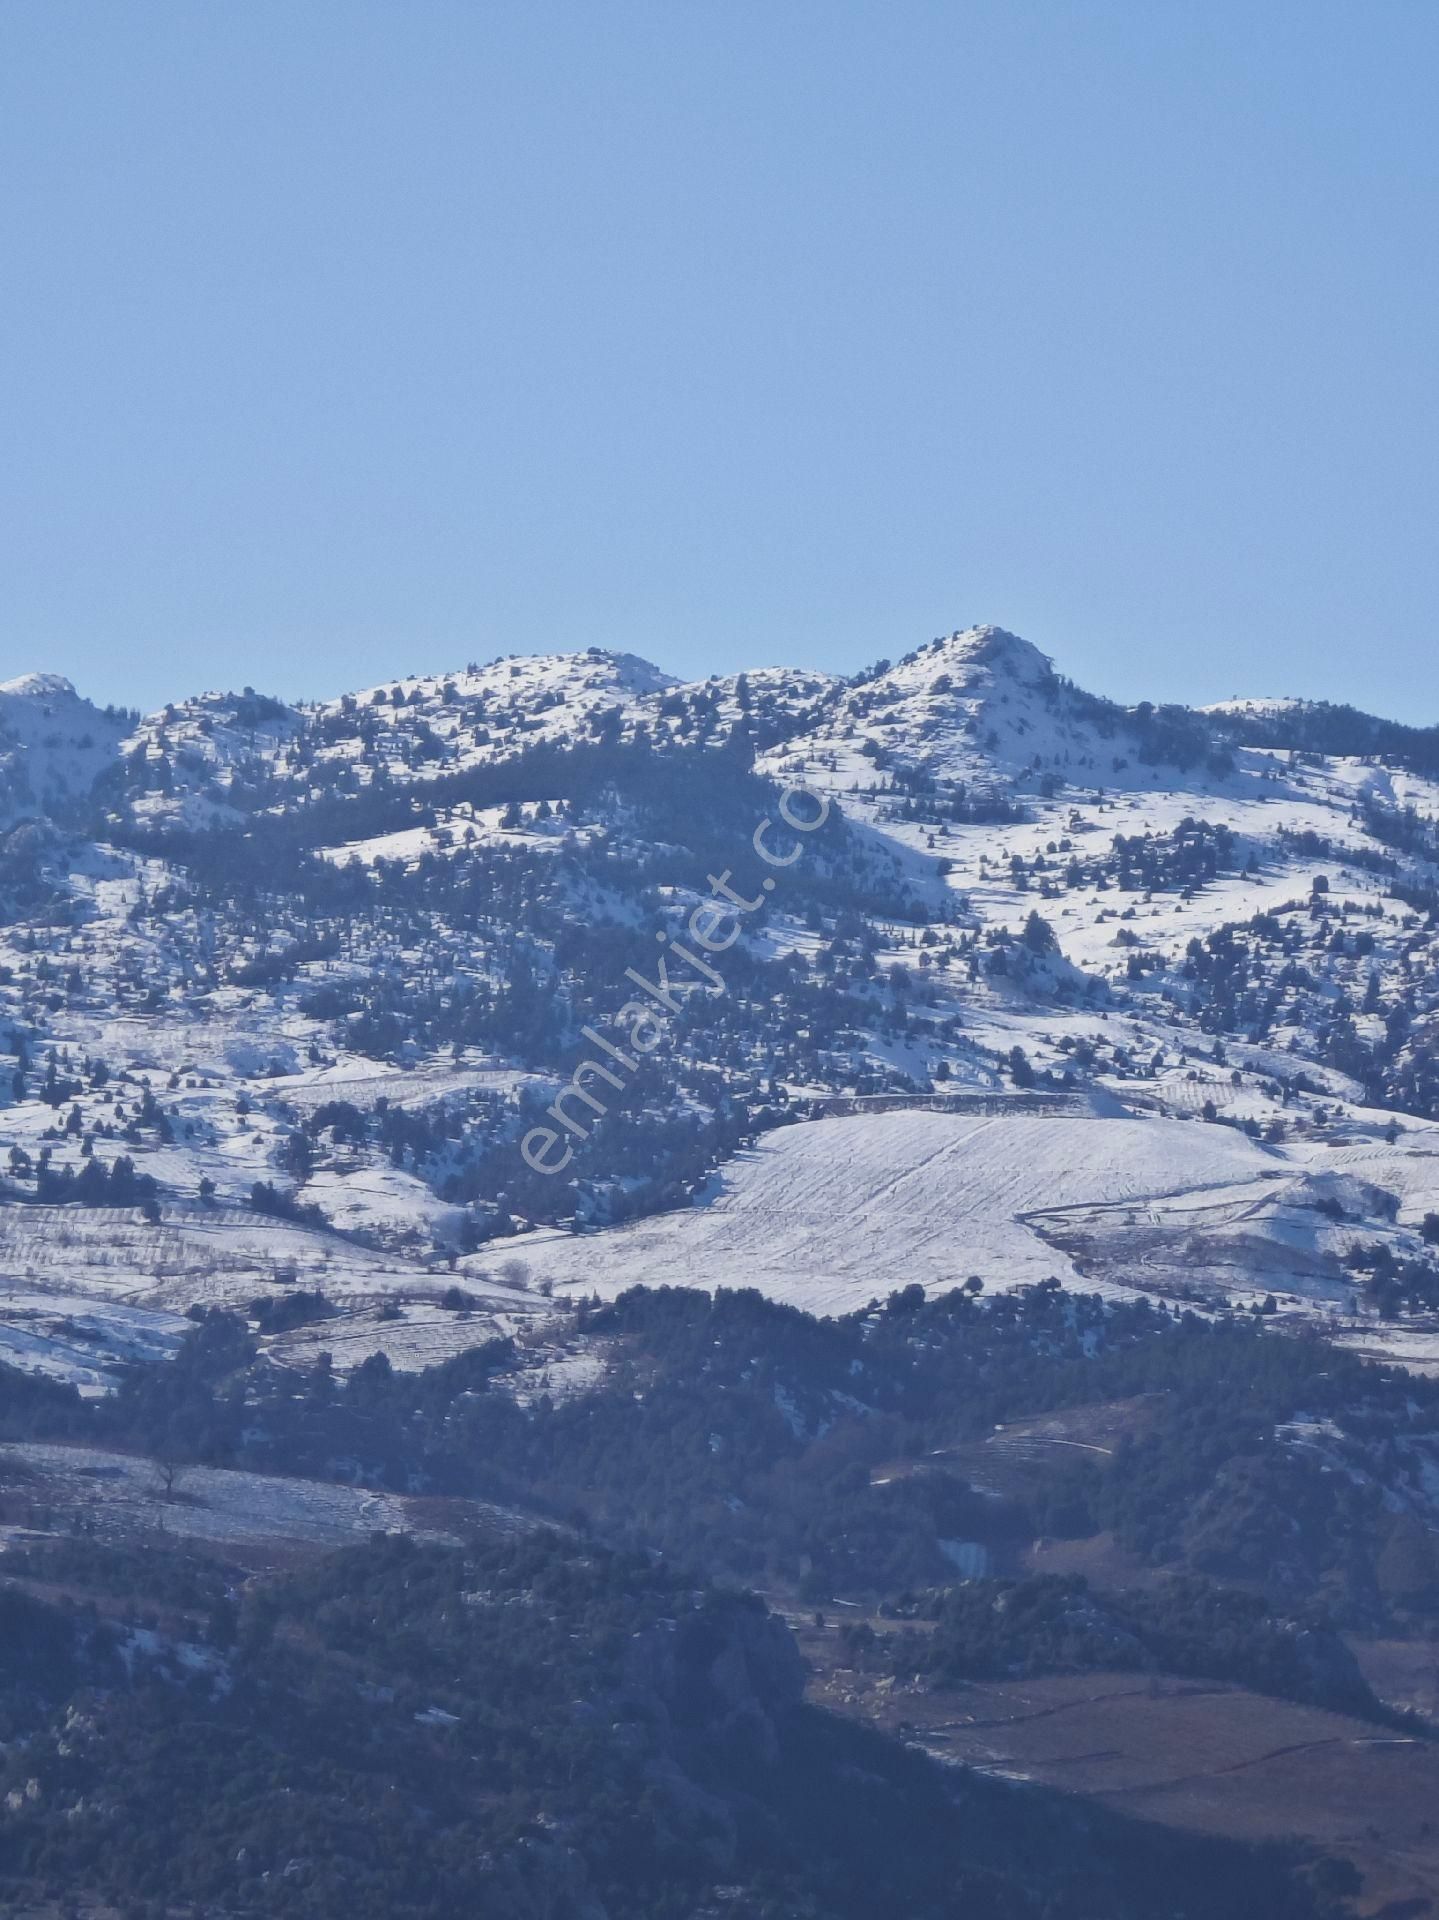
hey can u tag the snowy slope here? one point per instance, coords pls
(54, 745)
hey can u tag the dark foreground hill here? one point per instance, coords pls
(544, 1730)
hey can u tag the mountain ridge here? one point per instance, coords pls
(961, 681)
(984, 644)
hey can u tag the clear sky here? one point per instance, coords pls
(342, 338)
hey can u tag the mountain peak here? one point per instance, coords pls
(39, 686)
(988, 646)
(633, 670)
(1237, 703)
(974, 658)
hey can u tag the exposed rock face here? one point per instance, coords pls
(723, 1679)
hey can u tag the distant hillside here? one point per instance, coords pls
(295, 984)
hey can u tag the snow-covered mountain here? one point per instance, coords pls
(53, 744)
(284, 988)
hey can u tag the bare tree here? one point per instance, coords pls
(169, 1474)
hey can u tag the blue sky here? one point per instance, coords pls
(342, 340)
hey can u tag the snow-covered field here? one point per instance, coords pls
(828, 1214)
(833, 1213)
(77, 1336)
(119, 1494)
(81, 1287)
(211, 1257)
(419, 1333)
